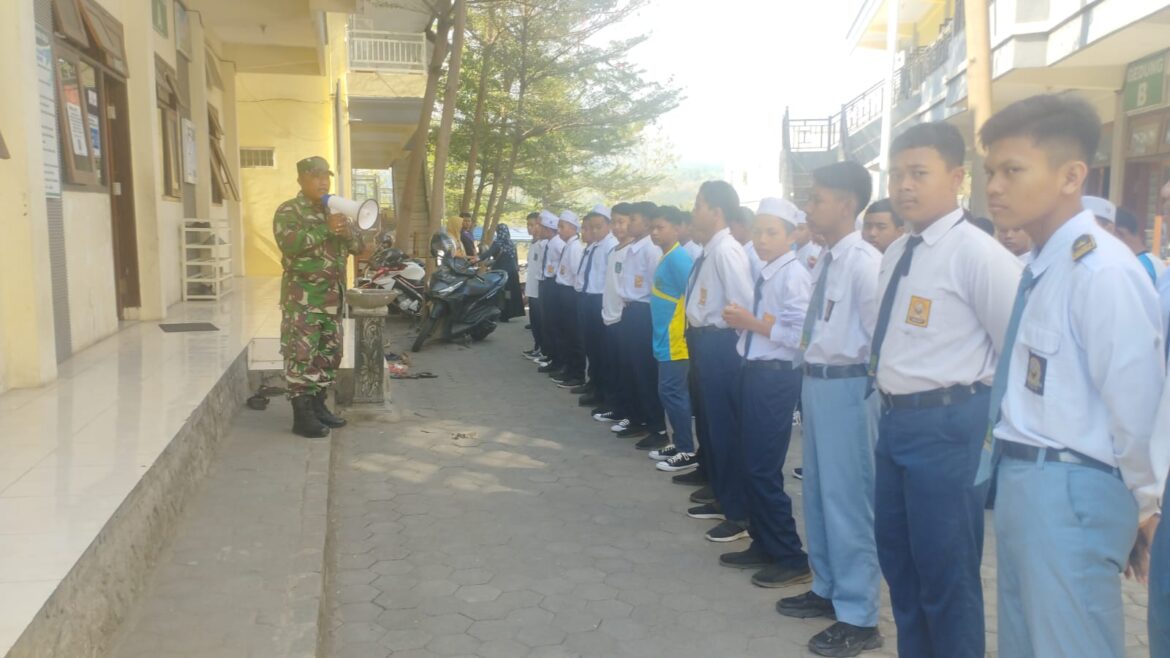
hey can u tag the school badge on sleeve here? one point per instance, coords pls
(919, 312)
(1037, 371)
(1083, 246)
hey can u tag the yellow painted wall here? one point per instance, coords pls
(294, 115)
(369, 84)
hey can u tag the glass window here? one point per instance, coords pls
(71, 113)
(93, 114)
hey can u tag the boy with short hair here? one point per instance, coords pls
(571, 350)
(1076, 392)
(769, 386)
(940, 325)
(881, 225)
(639, 366)
(668, 314)
(614, 408)
(532, 283)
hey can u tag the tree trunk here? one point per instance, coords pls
(438, 188)
(507, 186)
(404, 233)
(518, 132)
(477, 130)
(483, 181)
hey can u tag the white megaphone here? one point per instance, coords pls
(363, 214)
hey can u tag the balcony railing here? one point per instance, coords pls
(389, 52)
(921, 63)
(813, 135)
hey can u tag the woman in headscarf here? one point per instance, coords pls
(454, 227)
(502, 256)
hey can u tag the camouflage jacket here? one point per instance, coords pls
(313, 257)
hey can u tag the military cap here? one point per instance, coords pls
(314, 165)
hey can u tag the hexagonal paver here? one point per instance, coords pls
(403, 640)
(454, 645)
(530, 617)
(358, 632)
(595, 591)
(493, 629)
(477, 593)
(435, 588)
(449, 624)
(623, 629)
(357, 612)
(503, 649)
(356, 594)
(472, 576)
(540, 636)
(576, 621)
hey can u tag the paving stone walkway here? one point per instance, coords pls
(489, 516)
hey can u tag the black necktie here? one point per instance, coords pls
(586, 265)
(879, 332)
(747, 347)
(695, 274)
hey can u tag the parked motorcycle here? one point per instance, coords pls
(389, 268)
(459, 299)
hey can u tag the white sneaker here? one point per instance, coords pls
(666, 452)
(606, 417)
(622, 425)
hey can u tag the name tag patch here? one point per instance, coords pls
(769, 319)
(638, 281)
(702, 296)
(1037, 371)
(564, 270)
(919, 313)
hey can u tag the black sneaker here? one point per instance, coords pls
(620, 426)
(654, 441)
(798, 473)
(706, 511)
(589, 400)
(692, 479)
(664, 453)
(703, 496)
(778, 576)
(842, 639)
(549, 368)
(806, 606)
(752, 558)
(727, 531)
(569, 382)
(680, 462)
(582, 389)
(632, 432)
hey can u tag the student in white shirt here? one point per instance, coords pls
(806, 247)
(946, 287)
(1133, 234)
(1079, 379)
(1016, 241)
(571, 349)
(684, 237)
(554, 362)
(741, 230)
(617, 388)
(590, 284)
(721, 276)
(769, 386)
(637, 330)
(532, 283)
(839, 421)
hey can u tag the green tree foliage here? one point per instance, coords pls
(551, 112)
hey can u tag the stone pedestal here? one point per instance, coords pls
(369, 361)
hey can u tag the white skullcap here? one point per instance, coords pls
(571, 217)
(601, 210)
(548, 220)
(1102, 208)
(782, 208)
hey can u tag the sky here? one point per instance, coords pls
(740, 62)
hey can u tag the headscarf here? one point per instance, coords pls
(504, 239)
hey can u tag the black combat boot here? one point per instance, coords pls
(327, 418)
(305, 422)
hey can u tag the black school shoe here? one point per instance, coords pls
(806, 606)
(727, 531)
(589, 400)
(703, 496)
(692, 479)
(653, 442)
(752, 558)
(582, 389)
(778, 576)
(632, 432)
(843, 639)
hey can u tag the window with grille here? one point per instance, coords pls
(257, 157)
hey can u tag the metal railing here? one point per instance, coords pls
(864, 109)
(921, 63)
(813, 135)
(390, 52)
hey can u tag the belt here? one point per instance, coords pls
(703, 331)
(769, 364)
(939, 397)
(1033, 454)
(835, 372)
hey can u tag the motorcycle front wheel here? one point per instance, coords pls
(424, 332)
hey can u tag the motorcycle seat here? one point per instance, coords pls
(481, 286)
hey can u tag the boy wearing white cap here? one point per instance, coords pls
(769, 386)
(554, 362)
(1103, 210)
(590, 284)
(570, 349)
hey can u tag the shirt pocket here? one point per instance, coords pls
(835, 294)
(1041, 372)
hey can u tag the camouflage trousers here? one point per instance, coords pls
(311, 346)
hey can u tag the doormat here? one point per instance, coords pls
(176, 327)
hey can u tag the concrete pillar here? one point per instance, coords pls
(27, 346)
(197, 81)
(144, 144)
(1117, 155)
(888, 100)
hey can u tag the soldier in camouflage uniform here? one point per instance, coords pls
(314, 246)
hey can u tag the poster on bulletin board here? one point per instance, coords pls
(189, 163)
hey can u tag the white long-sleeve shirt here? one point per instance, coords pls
(950, 312)
(784, 298)
(1087, 368)
(570, 259)
(721, 276)
(591, 273)
(535, 274)
(611, 298)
